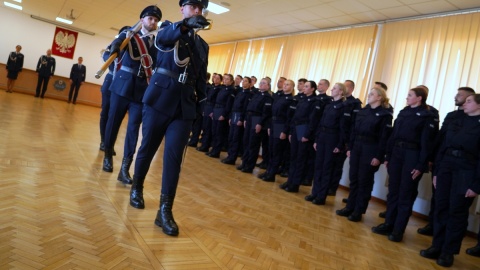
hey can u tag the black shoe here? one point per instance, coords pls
(261, 165)
(292, 188)
(310, 197)
(307, 183)
(240, 167)
(136, 193)
(262, 175)
(345, 200)
(427, 230)
(108, 161)
(284, 174)
(395, 237)
(124, 174)
(355, 217)
(164, 217)
(102, 146)
(192, 144)
(344, 212)
(247, 170)
(383, 229)
(269, 178)
(213, 155)
(284, 185)
(430, 253)
(228, 161)
(474, 251)
(318, 201)
(331, 192)
(445, 260)
(382, 214)
(202, 149)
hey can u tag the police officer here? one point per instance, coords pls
(406, 159)
(45, 70)
(279, 131)
(330, 141)
(457, 182)
(259, 113)
(77, 78)
(14, 66)
(236, 121)
(367, 147)
(128, 87)
(301, 137)
(221, 114)
(170, 103)
(106, 93)
(207, 125)
(197, 124)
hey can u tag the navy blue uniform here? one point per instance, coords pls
(280, 124)
(77, 75)
(259, 111)
(238, 114)
(127, 91)
(197, 124)
(14, 65)
(222, 107)
(458, 169)
(207, 125)
(332, 132)
(355, 104)
(408, 148)
(302, 126)
(105, 98)
(170, 106)
(368, 140)
(45, 69)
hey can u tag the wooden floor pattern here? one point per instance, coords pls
(59, 210)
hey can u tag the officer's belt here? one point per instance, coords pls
(460, 154)
(129, 70)
(407, 145)
(110, 72)
(329, 130)
(367, 139)
(174, 76)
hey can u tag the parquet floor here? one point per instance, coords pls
(59, 210)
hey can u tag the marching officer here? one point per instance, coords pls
(45, 70)
(14, 66)
(407, 154)
(128, 87)
(77, 78)
(170, 103)
(457, 183)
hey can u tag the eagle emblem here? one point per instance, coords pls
(64, 41)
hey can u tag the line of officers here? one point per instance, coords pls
(308, 137)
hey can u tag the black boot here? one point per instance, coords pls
(102, 146)
(164, 217)
(136, 193)
(108, 161)
(124, 175)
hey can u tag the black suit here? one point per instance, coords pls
(77, 75)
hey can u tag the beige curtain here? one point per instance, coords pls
(442, 53)
(220, 57)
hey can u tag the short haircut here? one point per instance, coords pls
(467, 89)
(350, 81)
(384, 86)
(326, 81)
(302, 80)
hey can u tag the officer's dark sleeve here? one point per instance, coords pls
(353, 133)
(71, 72)
(201, 89)
(227, 110)
(475, 186)
(246, 100)
(434, 134)
(385, 131)
(313, 120)
(390, 143)
(169, 34)
(291, 114)
(39, 64)
(441, 134)
(425, 144)
(21, 64)
(8, 61)
(53, 67)
(345, 122)
(267, 111)
(84, 73)
(286, 127)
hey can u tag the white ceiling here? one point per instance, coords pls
(247, 18)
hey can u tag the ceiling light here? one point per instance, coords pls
(18, 1)
(12, 5)
(217, 9)
(62, 25)
(63, 20)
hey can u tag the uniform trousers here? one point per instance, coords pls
(235, 138)
(298, 162)
(451, 206)
(251, 145)
(105, 104)
(362, 176)
(207, 126)
(196, 129)
(277, 150)
(339, 162)
(176, 131)
(118, 109)
(402, 189)
(219, 132)
(42, 84)
(324, 160)
(74, 89)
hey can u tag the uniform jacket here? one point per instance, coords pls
(336, 117)
(127, 84)
(281, 110)
(166, 93)
(224, 100)
(78, 73)
(15, 62)
(46, 66)
(240, 103)
(261, 105)
(305, 115)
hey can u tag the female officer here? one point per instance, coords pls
(207, 124)
(367, 146)
(331, 139)
(301, 138)
(279, 131)
(408, 149)
(457, 182)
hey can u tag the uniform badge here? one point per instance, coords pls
(418, 114)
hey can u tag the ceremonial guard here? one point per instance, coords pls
(14, 66)
(45, 70)
(77, 78)
(175, 93)
(128, 88)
